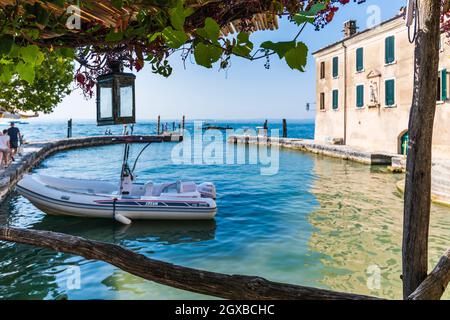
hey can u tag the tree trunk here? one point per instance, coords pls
(418, 166)
(433, 287)
(194, 280)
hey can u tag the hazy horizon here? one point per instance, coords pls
(247, 91)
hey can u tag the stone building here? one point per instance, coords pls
(364, 90)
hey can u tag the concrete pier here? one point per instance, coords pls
(336, 151)
(34, 153)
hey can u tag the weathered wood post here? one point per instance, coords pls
(418, 167)
(182, 124)
(284, 128)
(69, 128)
(158, 126)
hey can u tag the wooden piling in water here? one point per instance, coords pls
(158, 131)
(69, 128)
(284, 128)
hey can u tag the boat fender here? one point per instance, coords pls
(122, 219)
(118, 217)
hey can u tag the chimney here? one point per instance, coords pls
(350, 28)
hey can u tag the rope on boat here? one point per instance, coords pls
(114, 208)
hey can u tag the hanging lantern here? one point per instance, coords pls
(116, 96)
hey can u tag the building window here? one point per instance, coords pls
(322, 70)
(335, 67)
(322, 101)
(359, 59)
(360, 96)
(442, 88)
(335, 99)
(390, 50)
(390, 92)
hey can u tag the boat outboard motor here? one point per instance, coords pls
(126, 181)
(207, 190)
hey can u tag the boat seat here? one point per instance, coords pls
(183, 187)
(148, 188)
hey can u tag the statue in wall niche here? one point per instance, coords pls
(373, 94)
(374, 87)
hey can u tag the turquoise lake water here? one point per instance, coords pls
(319, 222)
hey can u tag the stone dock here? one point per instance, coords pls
(34, 153)
(336, 151)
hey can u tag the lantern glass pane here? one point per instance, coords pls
(126, 102)
(106, 109)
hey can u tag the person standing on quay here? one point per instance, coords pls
(14, 136)
(5, 149)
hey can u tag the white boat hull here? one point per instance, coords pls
(71, 197)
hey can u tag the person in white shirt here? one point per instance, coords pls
(5, 148)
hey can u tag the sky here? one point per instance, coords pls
(247, 90)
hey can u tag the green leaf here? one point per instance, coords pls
(297, 58)
(244, 46)
(310, 15)
(114, 36)
(177, 16)
(281, 48)
(66, 52)
(26, 71)
(206, 54)
(174, 38)
(31, 55)
(210, 31)
(6, 44)
(152, 37)
(6, 73)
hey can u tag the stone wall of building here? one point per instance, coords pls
(375, 126)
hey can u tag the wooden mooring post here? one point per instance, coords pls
(158, 126)
(284, 128)
(182, 124)
(69, 128)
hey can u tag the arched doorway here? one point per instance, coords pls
(403, 143)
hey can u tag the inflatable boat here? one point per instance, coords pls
(123, 201)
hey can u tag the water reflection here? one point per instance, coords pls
(33, 273)
(359, 225)
(165, 232)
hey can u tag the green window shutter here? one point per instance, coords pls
(444, 95)
(360, 96)
(390, 92)
(359, 59)
(335, 67)
(335, 99)
(390, 49)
